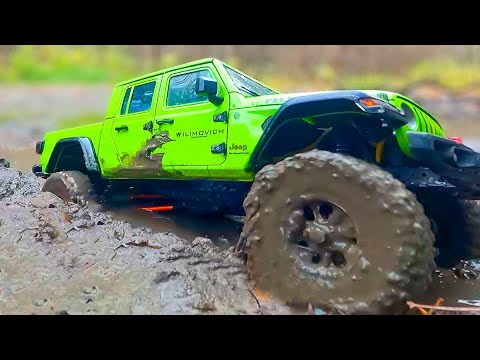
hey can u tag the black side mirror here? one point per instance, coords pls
(208, 87)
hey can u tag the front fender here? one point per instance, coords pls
(88, 151)
(327, 111)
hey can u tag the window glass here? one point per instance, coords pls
(246, 85)
(142, 98)
(125, 101)
(181, 89)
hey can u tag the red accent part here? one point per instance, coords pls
(158, 208)
(146, 196)
(457, 139)
(369, 102)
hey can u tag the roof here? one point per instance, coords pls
(177, 67)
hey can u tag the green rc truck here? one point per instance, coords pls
(350, 197)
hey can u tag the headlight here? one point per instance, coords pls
(373, 103)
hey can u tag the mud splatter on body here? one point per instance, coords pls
(146, 162)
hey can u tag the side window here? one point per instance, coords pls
(125, 101)
(181, 89)
(142, 98)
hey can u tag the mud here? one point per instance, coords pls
(61, 258)
(147, 162)
(58, 257)
(388, 251)
(147, 151)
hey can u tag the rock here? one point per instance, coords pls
(89, 290)
(202, 241)
(40, 302)
(164, 276)
(62, 312)
(46, 200)
(4, 163)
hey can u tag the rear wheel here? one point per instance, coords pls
(472, 226)
(456, 225)
(70, 186)
(338, 232)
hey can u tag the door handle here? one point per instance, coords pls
(148, 126)
(122, 128)
(165, 121)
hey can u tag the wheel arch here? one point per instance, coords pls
(306, 122)
(76, 153)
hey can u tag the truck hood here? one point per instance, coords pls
(276, 99)
(279, 99)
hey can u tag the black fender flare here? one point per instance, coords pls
(88, 151)
(329, 109)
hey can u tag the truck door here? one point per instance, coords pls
(133, 130)
(196, 128)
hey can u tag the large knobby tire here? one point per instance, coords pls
(386, 253)
(70, 186)
(472, 228)
(456, 225)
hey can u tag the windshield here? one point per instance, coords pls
(247, 86)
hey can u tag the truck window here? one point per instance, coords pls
(181, 89)
(142, 98)
(125, 101)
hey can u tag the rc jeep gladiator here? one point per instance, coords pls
(350, 198)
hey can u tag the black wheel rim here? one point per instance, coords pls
(322, 239)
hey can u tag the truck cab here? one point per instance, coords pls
(175, 123)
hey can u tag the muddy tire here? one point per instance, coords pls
(472, 228)
(456, 226)
(70, 186)
(376, 252)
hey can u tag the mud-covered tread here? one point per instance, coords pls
(70, 186)
(413, 240)
(472, 228)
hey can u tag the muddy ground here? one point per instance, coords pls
(60, 258)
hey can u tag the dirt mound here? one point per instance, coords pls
(58, 257)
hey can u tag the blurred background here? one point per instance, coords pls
(47, 87)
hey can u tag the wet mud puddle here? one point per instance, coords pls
(450, 285)
(224, 232)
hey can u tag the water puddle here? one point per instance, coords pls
(223, 232)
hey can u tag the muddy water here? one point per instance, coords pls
(20, 158)
(58, 257)
(223, 232)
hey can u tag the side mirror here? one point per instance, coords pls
(208, 87)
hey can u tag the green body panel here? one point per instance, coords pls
(193, 133)
(419, 120)
(93, 132)
(178, 145)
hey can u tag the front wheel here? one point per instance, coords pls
(472, 226)
(70, 186)
(336, 232)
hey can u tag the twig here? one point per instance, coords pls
(121, 245)
(89, 266)
(253, 294)
(25, 229)
(412, 305)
